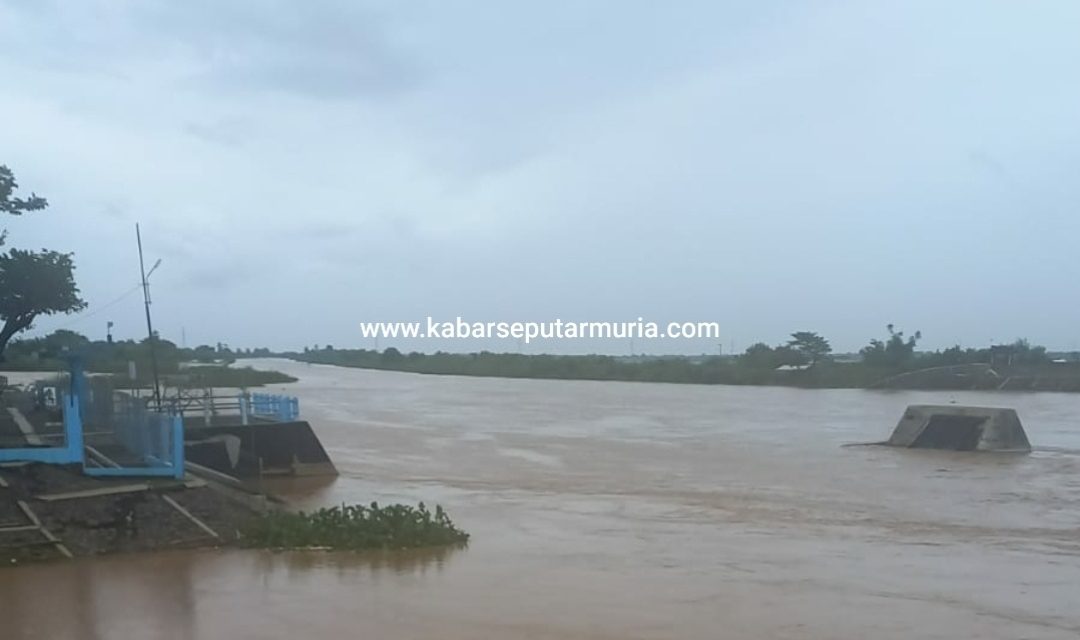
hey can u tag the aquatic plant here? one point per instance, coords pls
(353, 527)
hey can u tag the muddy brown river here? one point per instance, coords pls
(622, 510)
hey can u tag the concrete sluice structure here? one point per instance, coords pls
(247, 436)
(960, 428)
(246, 451)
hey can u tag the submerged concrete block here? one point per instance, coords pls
(960, 428)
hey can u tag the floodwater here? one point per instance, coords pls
(620, 511)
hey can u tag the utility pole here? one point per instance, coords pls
(149, 326)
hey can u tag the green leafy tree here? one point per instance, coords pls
(812, 346)
(788, 355)
(64, 340)
(13, 205)
(391, 355)
(34, 284)
(896, 352)
(759, 356)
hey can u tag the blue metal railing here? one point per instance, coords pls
(154, 442)
(70, 452)
(141, 442)
(273, 406)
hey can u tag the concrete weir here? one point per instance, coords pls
(960, 428)
(261, 448)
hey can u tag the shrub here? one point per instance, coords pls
(354, 527)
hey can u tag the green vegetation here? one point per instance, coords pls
(32, 283)
(102, 356)
(806, 360)
(896, 352)
(216, 376)
(16, 206)
(811, 346)
(222, 376)
(355, 527)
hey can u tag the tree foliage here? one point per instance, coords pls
(756, 366)
(895, 352)
(34, 284)
(13, 205)
(9, 203)
(1021, 353)
(200, 366)
(812, 346)
(759, 356)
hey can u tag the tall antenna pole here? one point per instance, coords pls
(149, 326)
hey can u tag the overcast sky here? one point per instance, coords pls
(300, 167)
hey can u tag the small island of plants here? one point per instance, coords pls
(354, 527)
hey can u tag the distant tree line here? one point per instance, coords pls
(806, 359)
(48, 353)
(895, 353)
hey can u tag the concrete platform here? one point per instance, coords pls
(960, 428)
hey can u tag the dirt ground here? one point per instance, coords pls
(123, 522)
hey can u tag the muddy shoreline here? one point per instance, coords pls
(51, 512)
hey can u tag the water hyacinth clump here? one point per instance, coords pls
(353, 527)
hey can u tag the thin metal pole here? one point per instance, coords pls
(149, 326)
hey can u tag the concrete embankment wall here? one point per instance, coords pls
(269, 448)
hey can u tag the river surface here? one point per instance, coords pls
(623, 510)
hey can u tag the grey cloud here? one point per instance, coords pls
(329, 230)
(223, 273)
(116, 210)
(231, 132)
(750, 164)
(988, 163)
(323, 49)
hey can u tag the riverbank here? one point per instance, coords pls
(53, 508)
(712, 370)
(50, 512)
